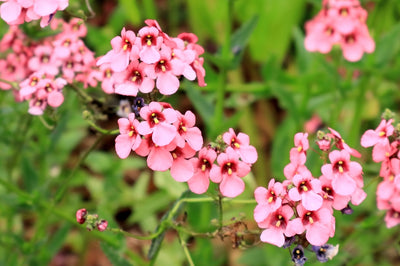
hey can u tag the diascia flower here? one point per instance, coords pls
(202, 165)
(158, 122)
(229, 173)
(343, 23)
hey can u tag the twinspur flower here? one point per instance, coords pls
(151, 59)
(384, 140)
(340, 23)
(18, 11)
(300, 210)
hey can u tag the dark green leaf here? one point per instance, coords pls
(240, 38)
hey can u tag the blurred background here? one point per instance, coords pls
(272, 89)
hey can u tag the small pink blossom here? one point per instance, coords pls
(158, 122)
(159, 158)
(202, 165)
(182, 169)
(187, 132)
(319, 224)
(307, 190)
(229, 173)
(129, 138)
(342, 171)
(268, 200)
(241, 144)
(276, 226)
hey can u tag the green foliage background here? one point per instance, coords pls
(260, 80)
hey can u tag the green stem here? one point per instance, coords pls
(102, 130)
(44, 122)
(185, 250)
(140, 237)
(81, 93)
(220, 212)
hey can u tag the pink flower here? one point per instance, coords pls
(321, 34)
(158, 121)
(276, 225)
(378, 136)
(342, 171)
(44, 60)
(241, 144)
(341, 144)
(187, 132)
(129, 139)
(159, 158)
(268, 200)
(319, 224)
(229, 173)
(182, 169)
(202, 165)
(392, 217)
(123, 49)
(133, 79)
(307, 190)
(151, 44)
(165, 71)
(330, 198)
(298, 154)
(356, 43)
(293, 169)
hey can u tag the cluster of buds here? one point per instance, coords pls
(170, 140)
(139, 63)
(300, 210)
(385, 142)
(341, 22)
(18, 11)
(92, 220)
(43, 68)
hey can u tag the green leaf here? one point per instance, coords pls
(114, 255)
(240, 38)
(202, 104)
(165, 220)
(131, 11)
(387, 46)
(55, 243)
(29, 174)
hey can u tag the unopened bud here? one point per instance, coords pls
(81, 216)
(102, 225)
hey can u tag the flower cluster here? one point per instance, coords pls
(43, 68)
(341, 22)
(170, 141)
(300, 209)
(92, 220)
(139, 63)
(385, 142)
(18, 11)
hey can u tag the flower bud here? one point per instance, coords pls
(81, 216)
(102, 225)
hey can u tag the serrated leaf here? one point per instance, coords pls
(113, 255)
